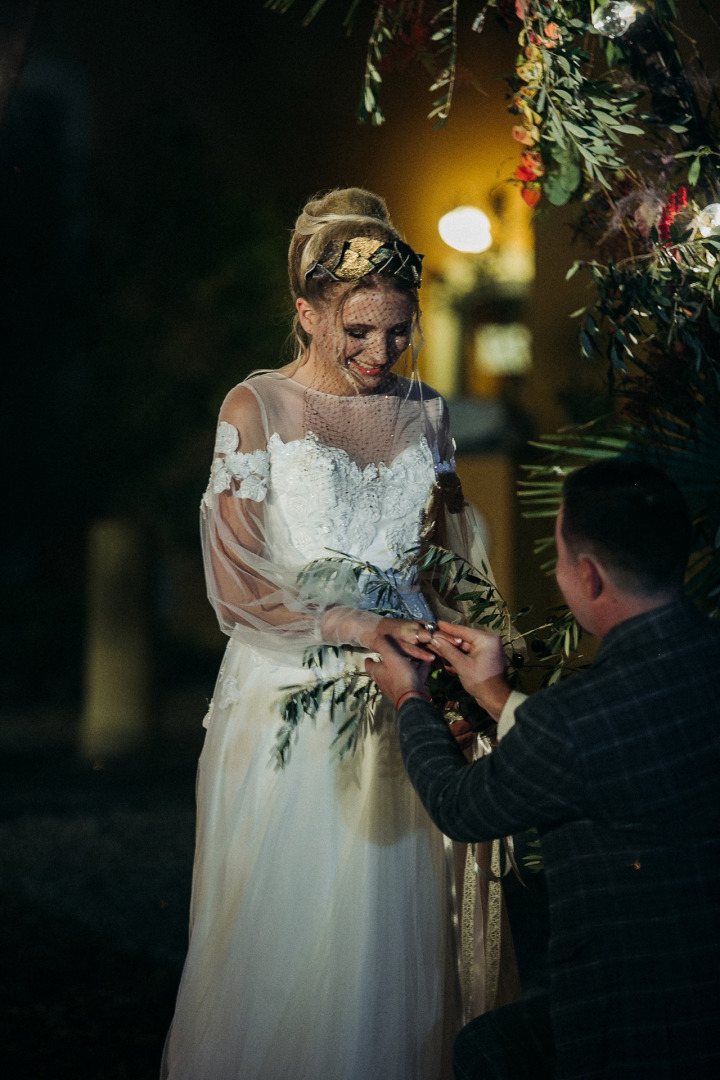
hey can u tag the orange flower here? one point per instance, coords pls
(533, 161)
(531, 193)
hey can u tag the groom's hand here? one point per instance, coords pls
(478, 659)
(395, 674)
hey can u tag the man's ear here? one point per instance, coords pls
(307, 315)
(593, 577)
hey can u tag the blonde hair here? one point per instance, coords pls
(341, 214)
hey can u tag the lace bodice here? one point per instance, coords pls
(320, 501)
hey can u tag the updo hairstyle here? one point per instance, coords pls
(341, 214)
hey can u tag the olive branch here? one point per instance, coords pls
(448, 582)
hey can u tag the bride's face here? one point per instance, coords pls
(376, 329)
(365, 337)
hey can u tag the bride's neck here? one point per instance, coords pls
(326, 376)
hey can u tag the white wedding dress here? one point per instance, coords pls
(320, 927)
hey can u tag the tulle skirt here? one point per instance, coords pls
(320, 939)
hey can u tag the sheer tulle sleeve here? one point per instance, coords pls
(255, 597)
(455, 524)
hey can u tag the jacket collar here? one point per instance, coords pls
(651, 627)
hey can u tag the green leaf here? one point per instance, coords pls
(586, 344)
(560, 183)
(557, 128)
(629, 129)
(694, 172)
(582, 133)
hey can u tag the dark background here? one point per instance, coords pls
(152, 161)
(151, 164)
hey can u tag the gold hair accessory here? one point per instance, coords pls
(351, 260)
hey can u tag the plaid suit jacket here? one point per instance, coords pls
(619, 767)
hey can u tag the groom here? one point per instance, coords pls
(619, 768)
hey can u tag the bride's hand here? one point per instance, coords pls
(366, 630)
(410, 635)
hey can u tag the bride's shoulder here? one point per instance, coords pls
(415, 390)
(242, 404)
(256, 386)
(267, 398)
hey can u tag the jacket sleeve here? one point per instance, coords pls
(531, 778)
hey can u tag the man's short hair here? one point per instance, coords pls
(633, 518)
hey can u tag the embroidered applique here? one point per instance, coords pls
(227, 438)
(250, 471)
(229, 692)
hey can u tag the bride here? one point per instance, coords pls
(321, 945)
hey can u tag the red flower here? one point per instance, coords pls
(413, 41)
(531, 193)
(675, 203)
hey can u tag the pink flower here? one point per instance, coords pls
(526, 136)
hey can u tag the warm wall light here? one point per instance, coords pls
(613, 19)
(707, 222)
(466, 229)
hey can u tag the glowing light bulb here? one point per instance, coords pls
(613, 19)
(707, 222)
(466, 229)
